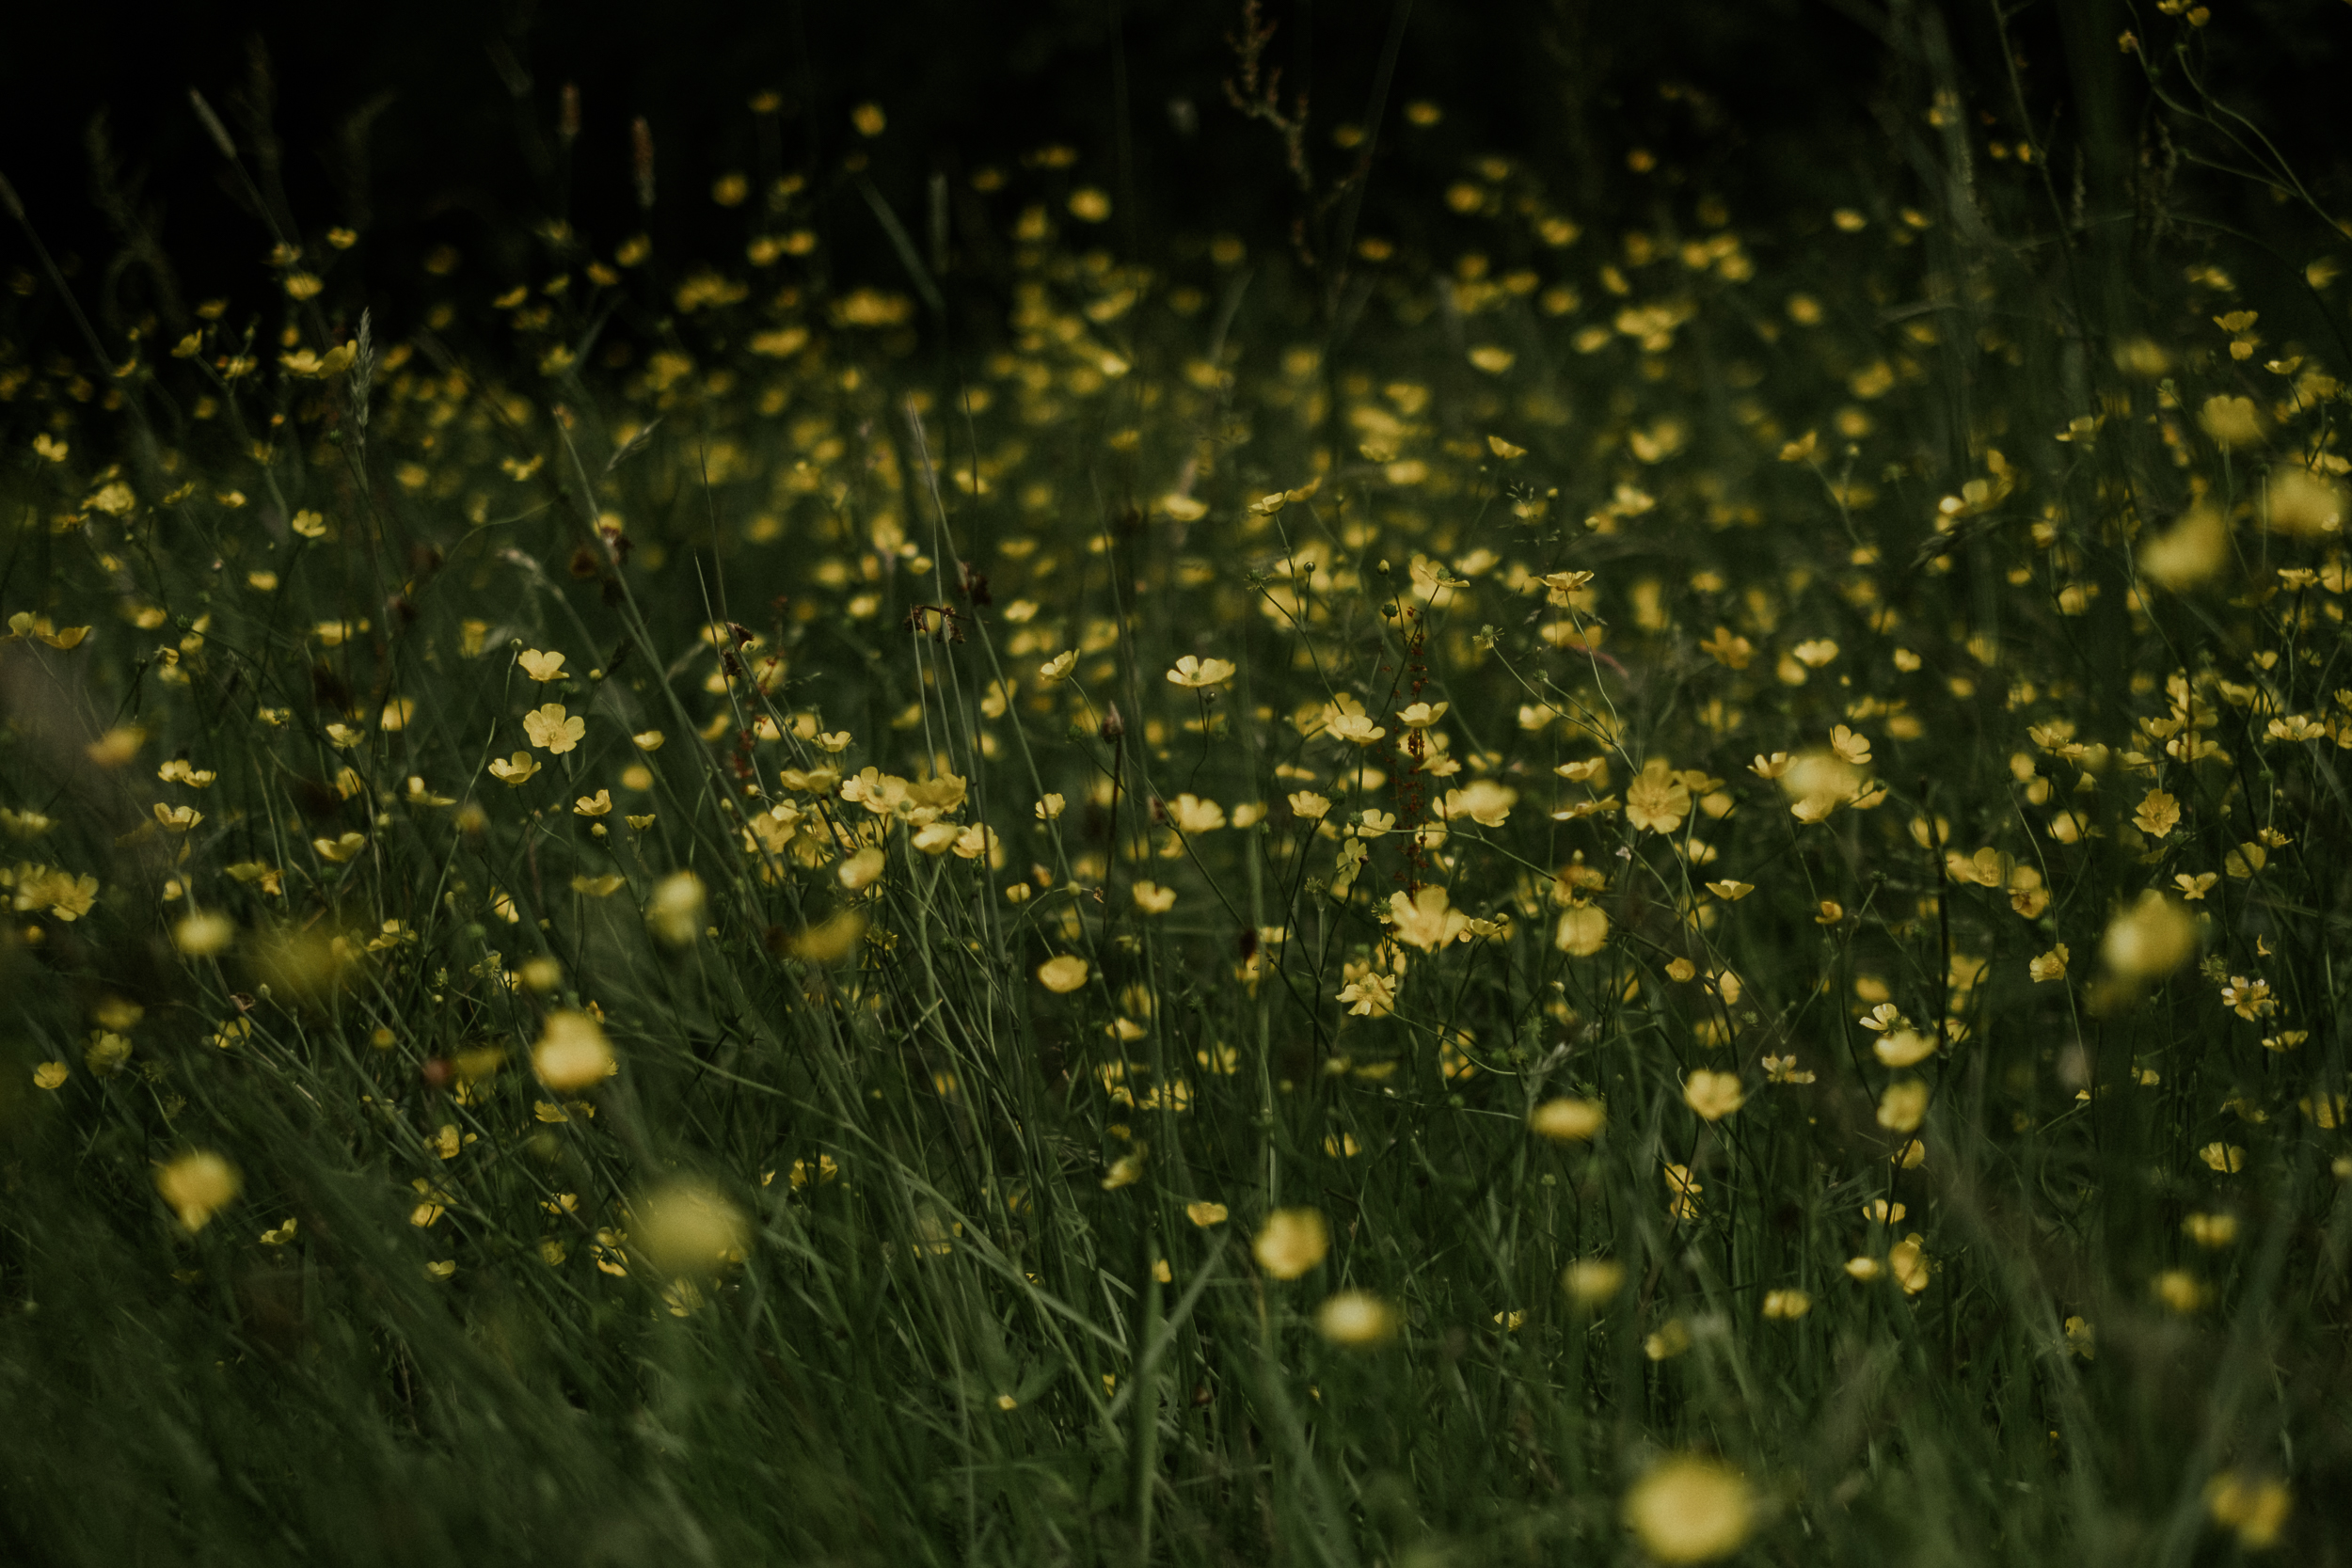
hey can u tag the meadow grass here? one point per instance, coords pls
(1482, 883)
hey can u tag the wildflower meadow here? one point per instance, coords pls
(1511, 870)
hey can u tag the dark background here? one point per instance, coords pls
(1792, 108)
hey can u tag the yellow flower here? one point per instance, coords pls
(1902, 1048)
(2050, 965)
(1151, 899)
(861, 870)
(51, 1075)
(598, 804)
(518, 771)
(1713, 1095)
(198, 1186)
(1657, 800)
(2157, 815)
(2150, 939)
(2179, 1289)
(1590, 1281)
(1584, 930)
(1050, 807)
(2212, 1231)
(1056, 669)
(1686, 1188)
(1568, 1120)
(1908, 1261)
(1193, 815)
(1424, 920)
(689, 1227)
(1421, 715)
(1483, 800)
(675, 912)
(2254, 1506)
(1851, 748)
(2191, 550)
(541, 666)
(2232, 421)
(832, 941)
(1063, 974)
(647, 741)
(1688, 1509)
(2226, 1159)
(1786, 1305)
(1731, 892)
(1357, 1318)
(1370, 996)
(551, 730)
(572, 1052)
(1732, 652)
(204, 933)
(342, 848)
(1205, 1215)
(1904, 1105)
(1196, 672)
(1292, 1241)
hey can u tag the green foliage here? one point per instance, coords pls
(1301, 906)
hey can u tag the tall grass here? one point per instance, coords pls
(1823, 1049)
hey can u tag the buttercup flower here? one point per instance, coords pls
(1713, 1095)
(196, 1185)
(1196, 673)
(1689, 1508)
(1292, 1242)
(551, 730)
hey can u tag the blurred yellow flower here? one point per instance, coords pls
(2150, 939)
(1566, 1121)
(1063, 974)
(1901, 1047)
(1292, 1242)
(1584, 930)
(572, 1052)
(1907, 1259)
(2193, 549)
(1904, 1105)
(2256, 1506)
(196, 1185)
(203, 932)
(1713, 1095)
(342, 848)
(1590, 1281)
(1357, 1318)
(689, 1227)
(1689, 1508)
